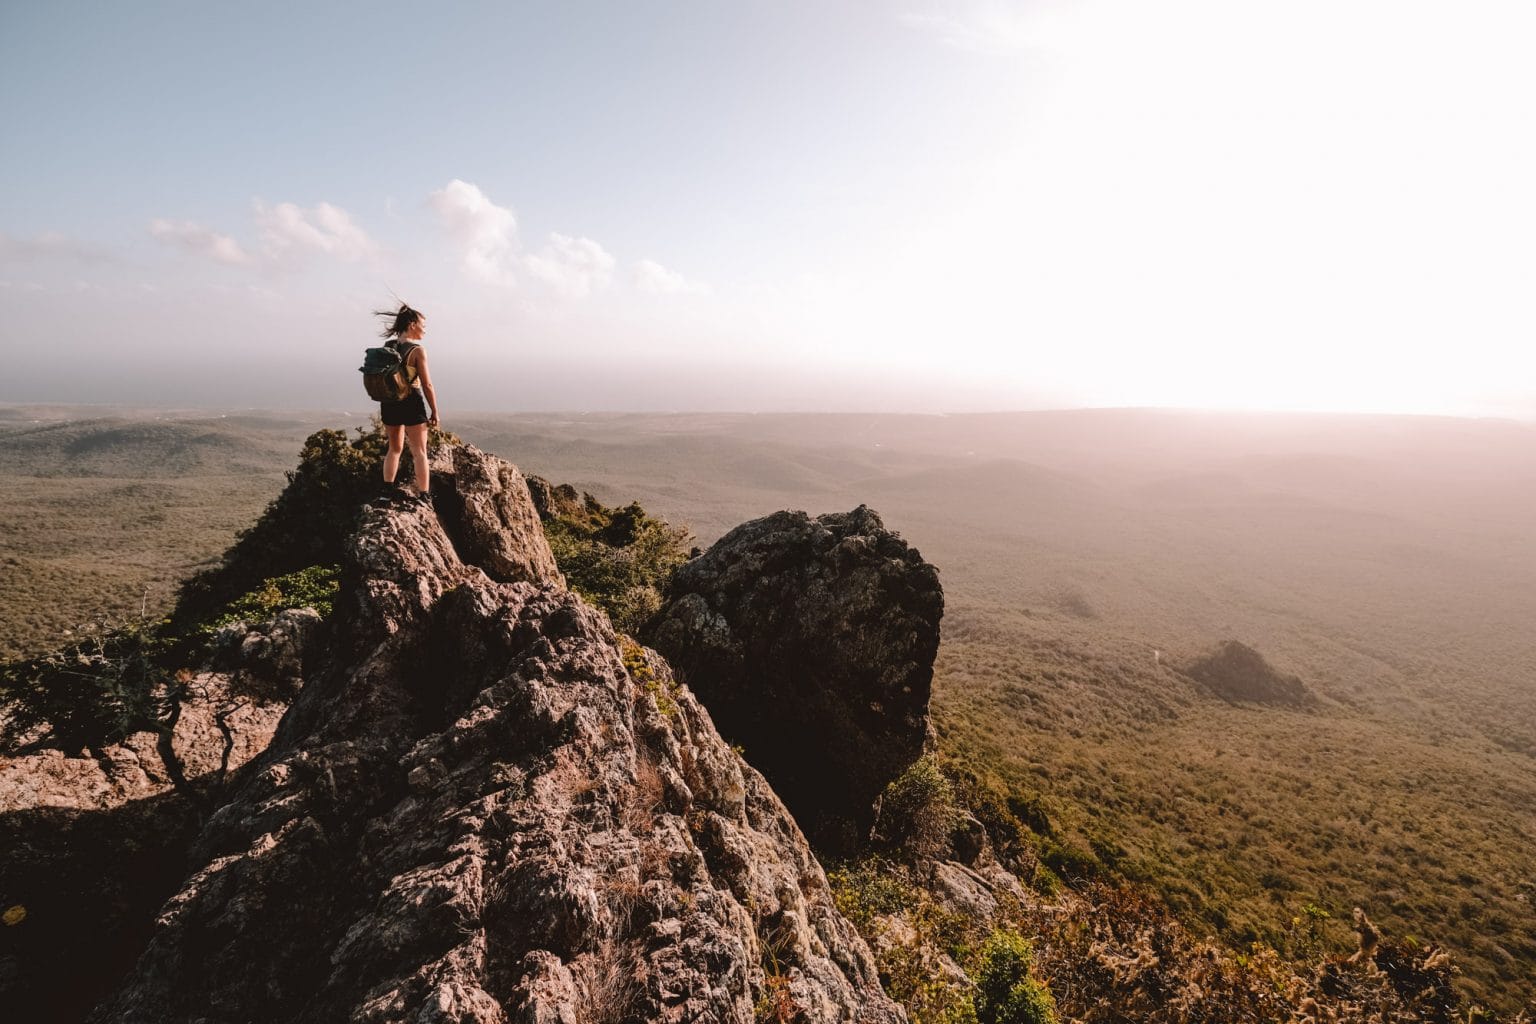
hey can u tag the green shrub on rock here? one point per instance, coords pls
(867, 890)
(315, 587)
(913, 937)
(1006, 992)
(619, 559)
(917, 810)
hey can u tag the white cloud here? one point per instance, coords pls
(655, 279)
(203, 241)
(486, 237)
(287, 230)
(286, 233)
(572, 266)
(485, 233)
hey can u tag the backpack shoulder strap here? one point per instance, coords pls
(406, 348)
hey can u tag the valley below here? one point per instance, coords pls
(1386, 565)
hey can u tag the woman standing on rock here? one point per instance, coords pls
(409, 418)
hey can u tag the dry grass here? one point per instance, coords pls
(643, 800)
(610, 982)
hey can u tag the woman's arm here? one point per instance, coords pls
(426, 381)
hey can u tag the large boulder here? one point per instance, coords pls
(487, 806)
(811, 641)
(485, 503)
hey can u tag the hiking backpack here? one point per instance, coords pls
(384, 373)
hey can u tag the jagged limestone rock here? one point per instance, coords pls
(268, 658)
(812, 642)
(555, 500)
(486, 806)
(494, 522)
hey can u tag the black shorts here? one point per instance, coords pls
(408, 412)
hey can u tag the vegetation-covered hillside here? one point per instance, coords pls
(103, 516)
(1386, 565)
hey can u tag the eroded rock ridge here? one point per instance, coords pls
(484, 805)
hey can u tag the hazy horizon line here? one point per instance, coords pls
(223, 408)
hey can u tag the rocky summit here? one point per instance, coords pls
(485, 805)
(812, 641)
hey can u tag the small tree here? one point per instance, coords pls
(94, 691)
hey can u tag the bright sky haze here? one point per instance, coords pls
(879, 205)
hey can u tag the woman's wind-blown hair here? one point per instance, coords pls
(400, 320)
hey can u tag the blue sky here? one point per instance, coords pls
(924, 206)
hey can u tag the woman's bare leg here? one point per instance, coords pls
(417, 436)
(396, 437)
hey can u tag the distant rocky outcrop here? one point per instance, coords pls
(812, 643)
(1236, 672)
(484, 805)
(554, 500)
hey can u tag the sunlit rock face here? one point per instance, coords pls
(812, 643)
(484, 805)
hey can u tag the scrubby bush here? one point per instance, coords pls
(1006, 992)
(917, 811)
(619, 559)
(315, 587)
(1030, 810)
(1068, 861)
(665, 692)
(869, 889)
(917, 940)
